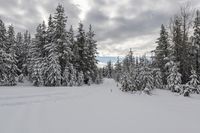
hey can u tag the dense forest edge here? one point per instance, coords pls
(55, 56)
(173, 65)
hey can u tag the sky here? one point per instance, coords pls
(119, 24)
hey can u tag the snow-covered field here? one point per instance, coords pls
(95, 109)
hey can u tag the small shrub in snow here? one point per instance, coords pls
(186, 90)
(20, 78)
(147, 91)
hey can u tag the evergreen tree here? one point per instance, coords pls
(5, 57)
(25, 52)
(196, 41)
(11, 43)
(37, 75)
(174, 78)
(82, 57)
(80, 79)
(66, 77)
(53, 70)
(36, 51)
(99, 78)
(19, 51)
(73, 77)
(72, 41)
(91, 54)
(146, 79)
(109, 68)
(193, 83)
(118, 70)
(61, 39)
(162, 52)
(158, 83)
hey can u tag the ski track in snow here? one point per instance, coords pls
(95, 109)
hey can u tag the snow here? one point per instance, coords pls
(95, 109)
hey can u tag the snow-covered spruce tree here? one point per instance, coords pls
(91, 53)
(19, 51)
(35, 52)
(25, 52)
(82, 59)
(6, 58)
(125, 82)
(128, 62)
(99, 78)
(162, 52)
(181, 44)
(118, 70)
(196, 41)
(174, 77)
(146, 79)
(109, 69)
(11, 43)
(193, 83)
(158, 82)
(72, 76)
(129, 73)
(66, 77)
(129, 82)
(53, 70)
(37, 74)
(80, 79)
(73, 46)
(61, 39)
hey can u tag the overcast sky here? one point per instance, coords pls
(119, 24)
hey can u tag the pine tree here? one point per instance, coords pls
(91, 54)
(82, 57)
(35, 53)
(61, 39)
(118, 70)
(53, 70)
(125, 82)
(5, 57)
(11, 43)
(162, 52)
(37, 75)
(25, 52)
(99, 78)
(158, 83)
(196, 41)
(73, 77)
(72, 41)
(19, 51)
(109, 68)
(146, 79)
(80, 79)
(66, 77)
(193, 83)
(174, 78)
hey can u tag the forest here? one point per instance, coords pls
(174, 64)
(53, 57)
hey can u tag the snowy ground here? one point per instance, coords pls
(95, 109)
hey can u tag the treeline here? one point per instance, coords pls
(176, 61)
(53, 57)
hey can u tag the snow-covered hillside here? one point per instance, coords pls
(95, 109)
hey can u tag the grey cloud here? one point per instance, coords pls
(132, 19)
(25, 14)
